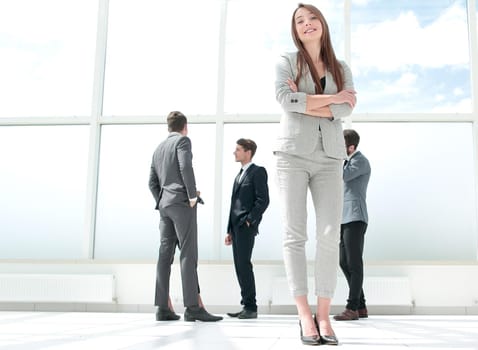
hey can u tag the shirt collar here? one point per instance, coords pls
(245, 167)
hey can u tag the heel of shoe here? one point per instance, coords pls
(188, 318)
(166, 315)
(325, 339)
(308, 339)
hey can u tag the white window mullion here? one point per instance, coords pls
(473, 40)
(219, 153)
(347, 46)
(95, 130)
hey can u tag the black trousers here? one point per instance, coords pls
(242, 244)
(352, 236)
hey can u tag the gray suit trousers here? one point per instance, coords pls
(178, 226)
(322, 176)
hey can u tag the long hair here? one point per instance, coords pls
(327, 53)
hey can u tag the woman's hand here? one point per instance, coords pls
(345, 96)
(292, 85)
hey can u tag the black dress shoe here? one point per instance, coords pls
(309, 339)
(247, 314)
(233, 314)
(166, 315)
(196, 313)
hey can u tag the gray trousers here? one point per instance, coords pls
(323, 177)
(178, 226)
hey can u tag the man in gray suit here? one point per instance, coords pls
(354, 225)
(173, 186)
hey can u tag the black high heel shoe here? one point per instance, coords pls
(309, 339)
(325, 339)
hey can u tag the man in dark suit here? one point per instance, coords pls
(173, 186)
(249, 200)
(354, 225)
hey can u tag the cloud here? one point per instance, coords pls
(461, 106)
(360, 2)
(403, 86)
(458, 91)
(403, 42)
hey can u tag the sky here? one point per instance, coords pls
(411, 56)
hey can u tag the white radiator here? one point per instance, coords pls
(384, 291)
(57, 288)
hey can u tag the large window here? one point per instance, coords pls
(421, 195)
(86, 87)
(162, 56)
(43, 172)
(411, 56)
(127, 224)
(47, 51)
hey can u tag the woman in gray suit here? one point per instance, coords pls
(315, 91)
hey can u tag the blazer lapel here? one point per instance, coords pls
(238, 184)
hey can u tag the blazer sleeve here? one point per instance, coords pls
(185, 157)
(356, 167)
(154, 185)
(261, 196)
(289, 101)
(344, 109)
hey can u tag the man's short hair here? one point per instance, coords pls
(176, 121)
(351, 137)
(248, 145)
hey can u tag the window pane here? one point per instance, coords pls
(409, 195)
(421, 193)
(161, 55)
(126, 223)
(411, 56)
(47, 50)
(252, 49)
(42, 186)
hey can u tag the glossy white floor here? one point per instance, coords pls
(139, 331)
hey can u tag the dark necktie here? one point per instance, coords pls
(238, 176)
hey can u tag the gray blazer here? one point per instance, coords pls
(299, 133)
(171, 179)
(356, 176)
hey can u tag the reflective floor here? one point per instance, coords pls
(139, 331)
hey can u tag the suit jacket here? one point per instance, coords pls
(249, 200)
(171, 179)
(356, 176)
(299, 133)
